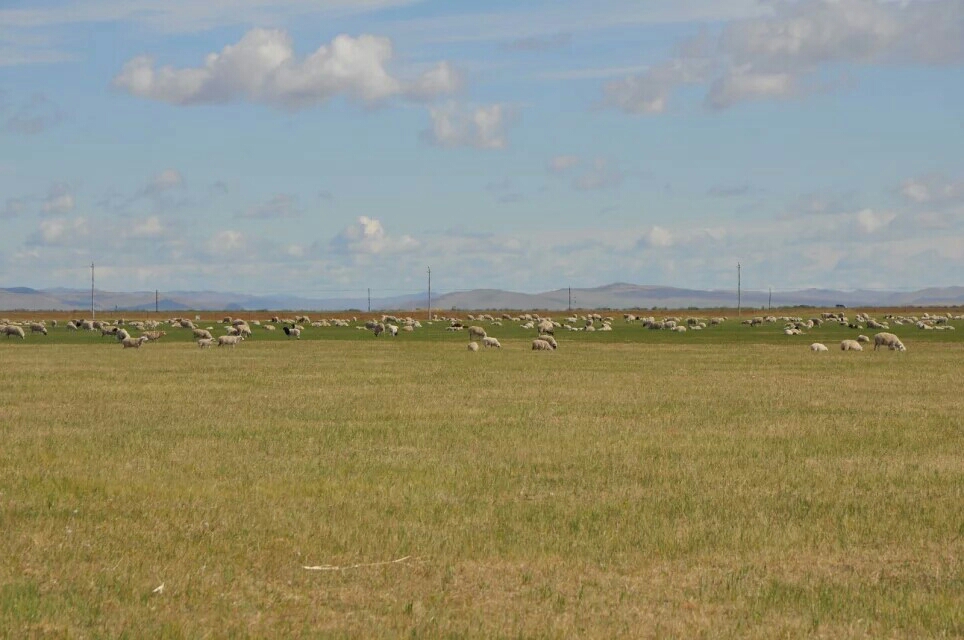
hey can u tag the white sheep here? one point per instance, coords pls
(476, 332)
(541, 345)
(38, 327)
(473, 346)
(888, 340)
(850, 345)
(818, 347)
(232, 341)
(863, 338)
(491, 342)
(13, 330)
(121, 334)
(392, 329)
(204, 342)
(133, 343)
(202, 334)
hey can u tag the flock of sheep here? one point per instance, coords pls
(235, 330)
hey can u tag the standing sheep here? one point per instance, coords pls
(476, 332)
(850, 345)
(232, 341)
(491, 342)
(293, 332)
(541, 345)
(38, 327)
(473, 346)
(888, 340)
(204, 342)
(133, 343)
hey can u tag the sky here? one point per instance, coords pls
(316, 147)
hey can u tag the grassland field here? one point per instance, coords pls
(635, 483)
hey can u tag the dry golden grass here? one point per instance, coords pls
(733, 490)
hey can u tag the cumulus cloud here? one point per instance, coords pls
(870, 221)
(933, 189)
(60, 231)
(59, 200)
(262, 67)
(227, 242)
(368, 236)
(561, 164)
(482, 127)
(780, 55)
(657, 237)
(149, 227)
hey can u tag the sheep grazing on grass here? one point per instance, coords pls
(121, 334)
(204, 342)
(473, 346)
(818, 347)
(37, 327)
(850, 345)
(153, 335)
(232, 341)
(491, 342)
(392, 329)
(476, 332)
(862, 338)
(293, 332)
(541, 345)
(551, 340)
(13, 330)
(546, 327)
(133, 343)
(888, 340)
(110, 331)
(202, 334)
(378, 329)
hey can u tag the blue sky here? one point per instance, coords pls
(316, 146)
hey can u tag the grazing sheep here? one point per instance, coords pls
(186, 324)
(204, 342)
(816, 346)
(541, 345)
(121, 334)
(293, 332)
(392, 329)
(473, 346)
(491, 342)
(888, 340)
(133, 343)
(476, 332)
(112, 331)
(13, 330)
(862, 338)
(37, 327)
(850, 345)
(229, 340)
(546, 327)
(551, 340)
(202, 334)
(153, 335)
(378, 329)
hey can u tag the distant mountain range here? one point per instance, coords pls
(612, 296)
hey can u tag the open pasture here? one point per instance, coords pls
(723, 483)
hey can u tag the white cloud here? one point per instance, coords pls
(561, 164)
(482, 127)
(657, 237)
(933, 189)
(149, 227)
(871, 221)
(262, 67)
(61, 231)
(227, 242)
(775, 56)
(368, 236)
(59, 200)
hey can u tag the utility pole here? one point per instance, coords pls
(739, 306)
(155, 300)
(430, 293)
(570, 298)
(369, 299)
(770, 298)
(92, 291)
